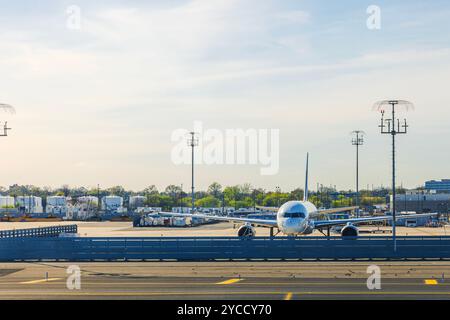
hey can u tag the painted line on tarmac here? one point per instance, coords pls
(40, 281)
(230, 281)
(211, 293)
(247, 283)
(288, 296)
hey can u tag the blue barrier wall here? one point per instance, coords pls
(217, 248)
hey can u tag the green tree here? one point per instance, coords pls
(231, 195)
(215, 189)
(296, 194)
(207, 202)
(150, 190)
(117, 191)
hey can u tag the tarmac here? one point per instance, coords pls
(226, 280)
(224, 229)
(232, 280)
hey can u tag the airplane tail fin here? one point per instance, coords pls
(305, 196)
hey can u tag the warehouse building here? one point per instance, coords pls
(422, 202)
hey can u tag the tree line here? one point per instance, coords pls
(238, 196)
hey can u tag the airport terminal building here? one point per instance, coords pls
(422, 202)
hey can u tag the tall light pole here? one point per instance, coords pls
(9, 109)
(192, 142)
(393, 127)
(357, 141)
(277, 188)
(181, 198)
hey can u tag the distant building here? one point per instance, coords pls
(419, 221)
(438, 185)
(136, 202)
(91, 200)
(112, 204)
(83, 208)
(8, 206)
(7, 202)
(422, 202)
(81, 211)
(56, 206)
(29, 204)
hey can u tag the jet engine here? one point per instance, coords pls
(349, 231)
(246, 231)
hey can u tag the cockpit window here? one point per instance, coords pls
(293, 215)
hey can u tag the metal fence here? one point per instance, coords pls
(221, 248)
(39, 232)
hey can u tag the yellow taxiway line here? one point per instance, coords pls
(40, 281)
(210, 293)
(288, 296)
(230, 281)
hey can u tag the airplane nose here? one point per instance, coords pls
(293, 224)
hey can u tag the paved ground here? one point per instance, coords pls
(226, 280)
(125, 229)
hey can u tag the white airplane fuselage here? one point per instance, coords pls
(295, 217)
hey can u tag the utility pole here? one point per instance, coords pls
(192, 142)
(393, 127)
(357, 141)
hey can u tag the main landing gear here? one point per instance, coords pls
(328, 232)
(271, 232)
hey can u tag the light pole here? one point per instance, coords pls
(357, 141)
(277, 188)
(393, 127)
(9, 109)
(192, 142)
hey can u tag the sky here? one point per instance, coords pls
(98, 101)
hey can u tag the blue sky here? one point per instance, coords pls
(99, 104)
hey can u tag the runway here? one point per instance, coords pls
(226, 281)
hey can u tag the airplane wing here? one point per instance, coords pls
(337, 210)
(330, 223)
(325, 211)
(257, 222)
(272, 209)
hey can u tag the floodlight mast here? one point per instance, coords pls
(192, 142)
(388, 126)
(5, 130)
(357, 141)
(7, 108)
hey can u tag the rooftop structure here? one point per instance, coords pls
(438, 185)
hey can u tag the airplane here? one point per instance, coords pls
(299, 218)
